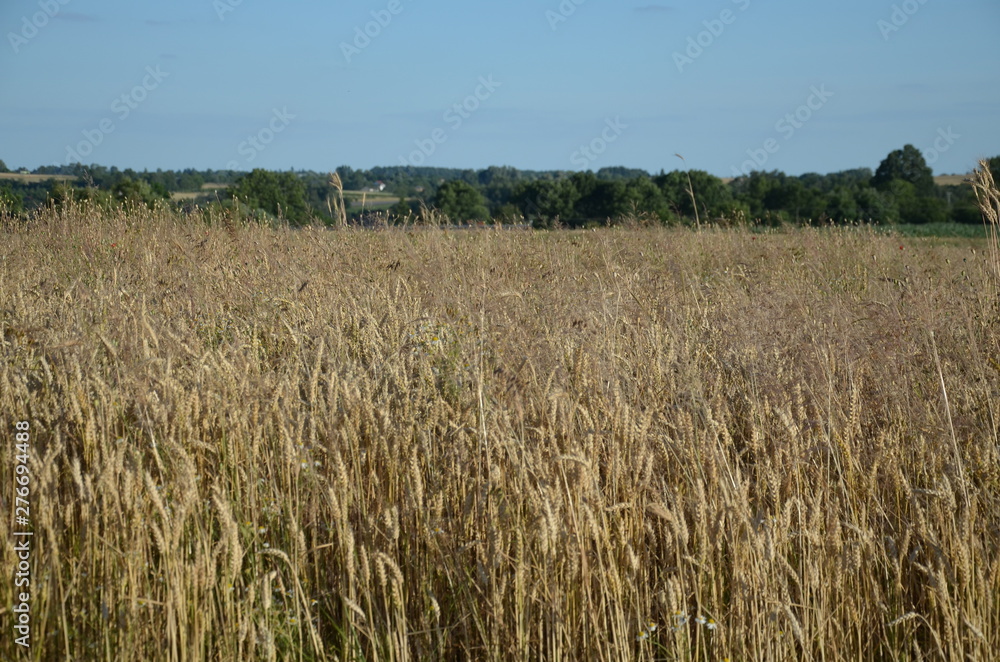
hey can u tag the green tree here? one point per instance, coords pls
(544, 202)
(994, 168)
(497, 184)
(594, 199)
(875, 206)
(645, 197)
(137, 191)
(3, 166)
(62, 193)
(401, 209)
(621, 172)
(916, 208)
(497, 176)
(461, 201)
(908, 165)
(786, 194)
(281, 194)
(963, 207)
(353, 180)
(841, 205)
(754, 190)
(11, 202)
(189, 180)
(714, 198)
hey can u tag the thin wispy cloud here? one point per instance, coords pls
(161, 23)
(655, 9)
(75, 17)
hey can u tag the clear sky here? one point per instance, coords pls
(535, 84)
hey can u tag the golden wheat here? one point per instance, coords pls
(257, 443)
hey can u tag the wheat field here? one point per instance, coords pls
(252, 443)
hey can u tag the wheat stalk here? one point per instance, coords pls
(337, 185)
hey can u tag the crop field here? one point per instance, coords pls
(246, 442)
(33, 179)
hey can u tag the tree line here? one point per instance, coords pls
(900, 190)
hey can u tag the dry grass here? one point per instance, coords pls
(254, 443)
(34, 179)
(951, 180)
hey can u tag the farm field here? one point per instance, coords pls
(208, 191)
(33, 179)
(353, 199)
(951, 180)
(621, 444)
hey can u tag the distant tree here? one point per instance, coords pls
(3, 166)
(585, 182)
(646, 198)
(962, 205)
(508, 213)
(137, 191)
(994, 168)
(827, 183)
(11, 202)
(916, 208)
(908, 165)
(874, 206)
(599, 200)
(189, 180)
(714, 198)
(497, 175)
(353, 180)
(841, 205)
(853, 177)
(461, 201)
(620, 172)
(904, 194)
(497, 184)
(401, 209)
(789, 194)
(543, 202)
(281, 194)
(61, 194)
(469, 176)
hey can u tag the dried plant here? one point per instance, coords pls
(337, 185)
(989, 203)
(614, 444)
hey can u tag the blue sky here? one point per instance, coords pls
(541, 84)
